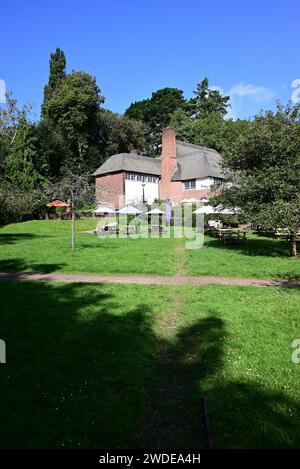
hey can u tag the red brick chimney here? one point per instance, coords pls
(168, 161)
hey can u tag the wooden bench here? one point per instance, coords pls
(231, 234)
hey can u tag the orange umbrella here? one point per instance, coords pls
(57, 203)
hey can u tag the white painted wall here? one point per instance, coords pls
(134, 191)
(204, 183)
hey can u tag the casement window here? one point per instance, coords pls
(141, 177)
(218, 182)
(191, 184)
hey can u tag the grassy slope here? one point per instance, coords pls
(85, 368)
(45, 246)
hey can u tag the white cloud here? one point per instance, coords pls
(296, 93)
(244, 98)
(259, 94)
(2, 91)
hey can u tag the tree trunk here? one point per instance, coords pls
(293, 244)
(73, 226)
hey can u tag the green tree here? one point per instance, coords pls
(24, 167)
(182, 124)
(77, 190)
(156, 113)
(52, 147)
(15, 202)
(57, 65)
(118, 134)
(265, 168)
(206, 101)
(10, 117)
(73, 111)
(139, 110)
(212, 131)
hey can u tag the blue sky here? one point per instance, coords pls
(249, 49)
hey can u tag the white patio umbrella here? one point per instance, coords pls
(209, 209)
(129, 210)
(156, 211)
(227, 211)
(192, 200)
(206, 209)
(102, 210)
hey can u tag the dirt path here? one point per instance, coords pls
(173, 409)
(148, 280)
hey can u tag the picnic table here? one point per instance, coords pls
(129, 230)
(231, 234)
(108, 229)
(157, 230)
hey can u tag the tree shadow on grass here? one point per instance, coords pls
(240, 414)
(19, 265)
(13, 238)
(85, 371)
(77, 368)
(253, 247)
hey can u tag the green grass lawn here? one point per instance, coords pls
(121, 365)
(258, 257)
(44, 246)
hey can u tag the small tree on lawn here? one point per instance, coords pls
(265, 170)
(76, 190)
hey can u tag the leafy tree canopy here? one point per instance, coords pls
(73, 110)
(156, 113)
(206, 101)
(57, 65)
(24, 167)
(265, 168)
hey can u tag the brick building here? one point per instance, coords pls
(183, 171)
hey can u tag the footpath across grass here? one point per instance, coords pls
(103, 366)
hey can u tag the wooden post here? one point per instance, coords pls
(73, 226)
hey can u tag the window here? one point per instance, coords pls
(141, 177)
(191, 184)
(218, 182)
